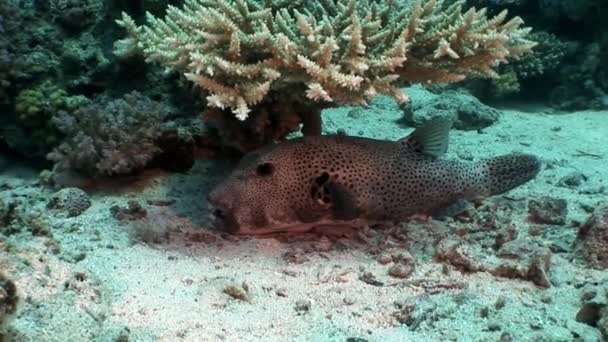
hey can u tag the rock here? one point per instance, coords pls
(459, 255)
(592, 239)
(7, 212)
(505, 337)
(303, 306)
(401, 271)
(589, 313)
(548, 210)
(385, 258)
(370, 278)
(530, 262)
(572, 180)
(237, 292)
(8, 300)
(594, 309)
(281, 292)
(134, 211)
(523, 259)
(72, 201)
(465, 110)
(538, 270)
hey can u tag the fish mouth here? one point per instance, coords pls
(222, 220)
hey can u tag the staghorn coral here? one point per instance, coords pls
(250, 55)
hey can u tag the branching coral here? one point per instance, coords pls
(245, 53)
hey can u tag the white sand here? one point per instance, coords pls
(173, 291)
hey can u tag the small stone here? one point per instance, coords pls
(405, 258)
(536, 230)
(401, 270)
(588, 208)
(536, 324)
(236, 292)
(588, 294)
(538, 270)
(79, 256)
(500, 303)
(370, 278)
(133, 211)
(494, 326)
(356, 113)
(590, 313)
(572, 180)
(281, 292)
(546, 299)
(456, 253)
(348, 300)
(384, 258)
(505, 337)
(303, 306)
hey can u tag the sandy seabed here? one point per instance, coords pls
(161, 274)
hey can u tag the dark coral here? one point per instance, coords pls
(569, 66)
(110, 137)
(7, 55)
(5, 66)
(64, 52)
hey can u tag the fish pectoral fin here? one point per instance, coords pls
(334, 197)
(451, 209)
(344, 204)
(431, 138)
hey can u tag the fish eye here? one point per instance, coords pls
(265, 169)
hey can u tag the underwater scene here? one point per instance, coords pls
(303, 170)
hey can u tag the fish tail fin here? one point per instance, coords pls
(503, 173)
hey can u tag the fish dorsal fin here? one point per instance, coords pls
(430, 139)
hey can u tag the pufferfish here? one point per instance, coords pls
(338, 180)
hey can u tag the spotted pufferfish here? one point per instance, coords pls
(338, 180)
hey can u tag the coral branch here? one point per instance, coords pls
(245, 52)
